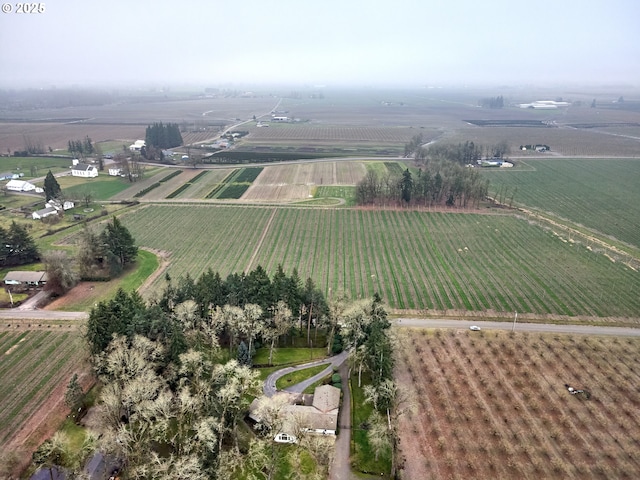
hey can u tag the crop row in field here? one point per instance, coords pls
(178, 191)
(602, 195)
(236, 183)
(306, 132)
(33, 364)
(496, 405)
(415, 260)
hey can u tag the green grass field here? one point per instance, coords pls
(415, 260)
(602, 195)
(102, 187)
(42, 165)
(346, 193)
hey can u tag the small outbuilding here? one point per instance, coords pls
(24, 279)
(44, 213)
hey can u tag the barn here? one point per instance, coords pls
(20, 186)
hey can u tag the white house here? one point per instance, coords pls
(137, 145)
(317, 415)
(20, 186)
(115, 172)
(84, 170)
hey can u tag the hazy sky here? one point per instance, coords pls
(332, 42)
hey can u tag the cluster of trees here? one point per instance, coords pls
(248, 306)
(159, 135)
(81, 148)
(17, 246)
(414, 145)
(100, 256)
(437, 182)
(492, 102)
(463, 153)
(131, 167)
(31, 147)
(172, 407)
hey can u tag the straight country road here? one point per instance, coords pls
(518, 326)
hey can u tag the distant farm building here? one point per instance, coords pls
(279, 118)
(10, 176)
(544, 105)
(23, 280)
(137, 145)
(58, 205)
(115, 172)
(84, 170)
(20, 186)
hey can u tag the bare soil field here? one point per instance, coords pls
(496, 405)
(295, 182)
(56, 135)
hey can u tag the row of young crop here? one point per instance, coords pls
(510, 392)
(415, 260)
(34, 363)
(186, 185)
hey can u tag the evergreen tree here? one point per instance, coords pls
(51, 187)
(244, 355)
(115, 316)
(74, 395)
(17, 246)
(406, 185)
(119, 242)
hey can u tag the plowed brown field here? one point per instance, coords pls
(495, 405)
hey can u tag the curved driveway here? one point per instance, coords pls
(270, 383)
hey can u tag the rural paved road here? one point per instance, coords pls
(519, 326)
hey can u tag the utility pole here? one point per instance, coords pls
(514, 322)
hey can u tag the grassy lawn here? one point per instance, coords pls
(84, 300)
(347, 193)
(289, 356)
(102, 187)
(298, 376)
(363, 457)
(42, 166)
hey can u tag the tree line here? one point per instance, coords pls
(81, 148)
(437, 182)
(492, 102)
(159, 135)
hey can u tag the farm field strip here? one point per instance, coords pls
(600, 194)
(311, 133)
(411, 258)
(31, 371)
(508, 391)
(171, 185)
